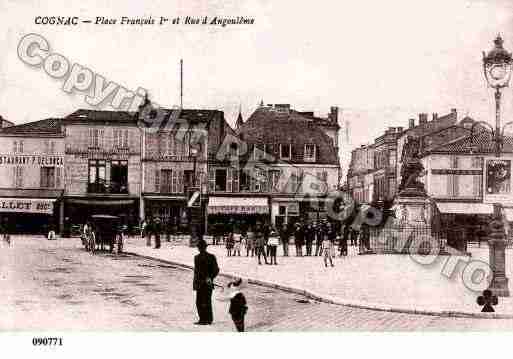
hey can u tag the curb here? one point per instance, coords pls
(330, 300)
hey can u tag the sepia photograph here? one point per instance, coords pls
(207, 167)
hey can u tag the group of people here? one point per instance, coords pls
(309, 239)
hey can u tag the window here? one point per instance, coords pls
(454, 161)
(188, 178)
(220, 180)
(477, 162)
(477, 183)
(285, 151)
(96, 137)
(47, 177)
(274, 180)
(119, 177)
(391, 158)
(52, 147)
(171, 145)
(282, 210)
(310, 153)
(452, 185)
(245, 181)
(18, 146)
(322, 176)
(120, 138)
(18, 176)
(97, 176)
(166, 180)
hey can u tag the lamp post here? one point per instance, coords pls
(497, 70)
(195, 211)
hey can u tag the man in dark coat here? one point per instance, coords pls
(205, 270)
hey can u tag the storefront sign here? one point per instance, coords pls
(238, 210)
(27, 205)
(28, 160)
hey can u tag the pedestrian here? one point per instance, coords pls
(260, 245)
(251, 243)
(148, 231)
(343, 239)
(299, 239)
(237, 242)
(285, 237)
(266, 231)
(274, 241)
(143, 228)
(238, 305)
(327, 248)
(319, 237)
(5, 233)
(229, 243)
(309, 239)
(205, 271)
(354, 236)
(157, 231)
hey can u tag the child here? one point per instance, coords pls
(327, 247)
(237, 239)
(238, 305)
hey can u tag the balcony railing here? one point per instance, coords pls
(112, 188)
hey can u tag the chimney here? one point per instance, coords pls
(454, 112)
(400, 129)
(435, 116)
(334, 114)
(423, 117)
(411, 123)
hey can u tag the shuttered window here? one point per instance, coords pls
(157, 180)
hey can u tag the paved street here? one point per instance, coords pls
(57, 286)
(371, 280)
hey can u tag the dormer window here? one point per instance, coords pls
(310, 152)
(285, 151)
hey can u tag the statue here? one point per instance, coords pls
(411, 169)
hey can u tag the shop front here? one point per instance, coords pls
(292, 210)
(171, 210)
(79, 210)
(29, 215)
(462, 222)
(241, 211)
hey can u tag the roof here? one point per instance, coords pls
(49, 126)
(87, 115)
(185, 115)
(480, 143)
(269, 127)
(434, 125)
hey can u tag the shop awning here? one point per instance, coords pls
(27, 205)
(464, 208)
(238, 205)
(100, 202)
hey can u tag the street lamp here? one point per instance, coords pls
(195, 211)
(497, 70)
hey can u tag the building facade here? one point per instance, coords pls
(103, 165)
(287, 163)
(32, 175)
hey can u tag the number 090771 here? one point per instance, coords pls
(47, 341)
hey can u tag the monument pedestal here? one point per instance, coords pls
(415, 211)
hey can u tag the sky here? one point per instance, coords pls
(381, 62)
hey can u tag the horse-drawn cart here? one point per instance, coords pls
(106, 231)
